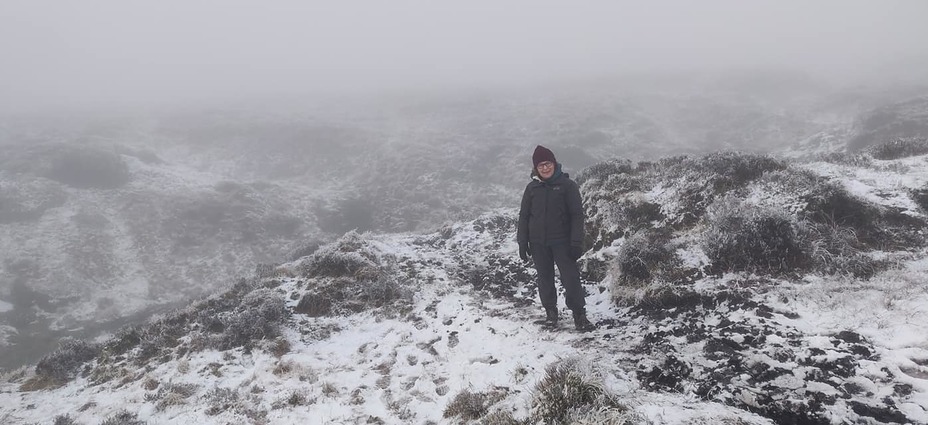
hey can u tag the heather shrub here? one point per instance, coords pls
(640, 214)
(64, 420)
(314, 305)
(743, 237)
(88, 168)
(604, 170)
(258, 317)
(62, 365)
(304, 250)
(222, 400)
(696, 183)
(161, 335)
(125, 339)
(172, 395)
(350, 277)
(500, 277)
(378, 290)
(618, 184)
(897, 148)
(723, 171)
(657, 294)
(123, 417)
(292, 399)
(830, 204)
(846, 158)
(234, 323)
(467, 406)
(242, 316)
(920, 196)
(645, 255)
(824, 204)
(345, 257)
(265, 270)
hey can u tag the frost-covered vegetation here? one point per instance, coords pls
(348, 276)
(743, 212)
(900, 148)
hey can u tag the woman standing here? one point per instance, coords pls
(551, 233)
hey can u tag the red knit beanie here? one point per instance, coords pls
(542, 154)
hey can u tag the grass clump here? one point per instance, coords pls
(568, 391)
(172, 395)
(837, 250)
(468, 405)
(123, 417)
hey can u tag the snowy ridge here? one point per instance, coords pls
(351, 369)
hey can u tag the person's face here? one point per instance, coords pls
(545, 169)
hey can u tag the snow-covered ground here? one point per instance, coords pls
(352, 369)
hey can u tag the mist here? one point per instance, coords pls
(155, 152)
(110, 52)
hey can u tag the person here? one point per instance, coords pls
(551, 233)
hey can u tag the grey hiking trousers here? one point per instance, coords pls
(545, 258)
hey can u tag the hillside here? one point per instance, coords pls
(106, 219)
(727, 288)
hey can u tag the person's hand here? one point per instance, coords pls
(524, 251)
(575, 251)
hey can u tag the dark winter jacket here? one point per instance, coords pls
(551, 212)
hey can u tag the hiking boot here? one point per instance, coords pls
(581, 322)
(551, 317)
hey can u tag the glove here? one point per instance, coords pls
(575, 252)
(524, 251)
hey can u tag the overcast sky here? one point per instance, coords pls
(93, 51)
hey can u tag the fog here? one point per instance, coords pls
(154, 151)
(106, 52)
